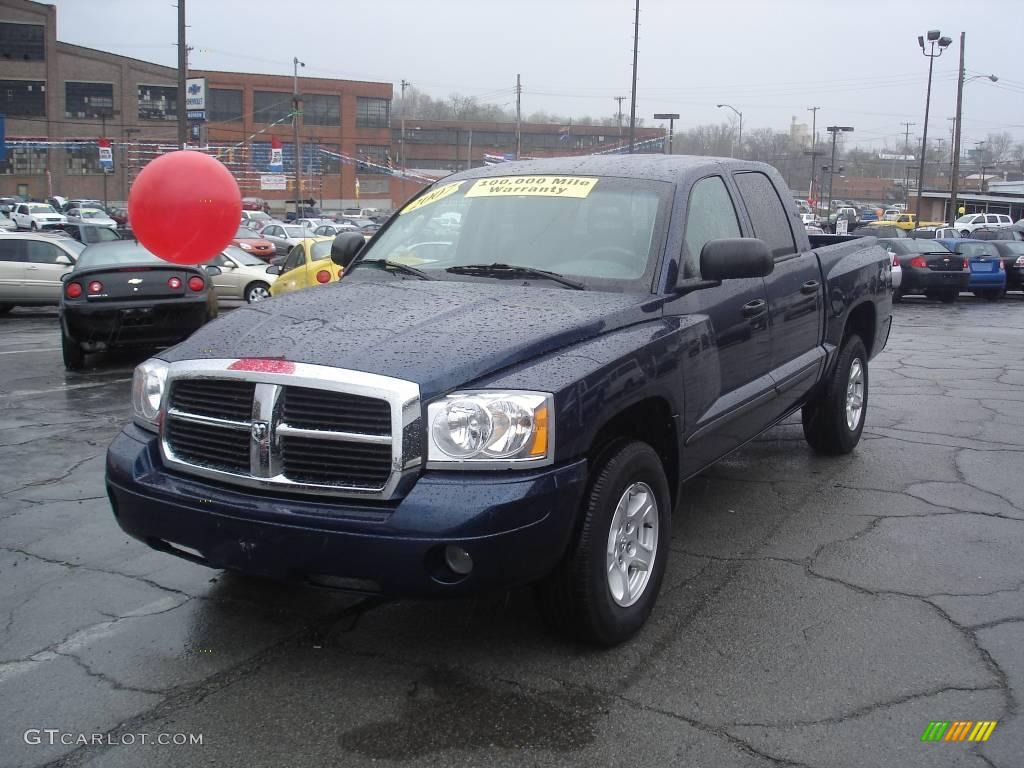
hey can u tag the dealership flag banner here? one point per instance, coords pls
(106, 154)
(276, 160)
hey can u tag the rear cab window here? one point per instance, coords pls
(767, 213)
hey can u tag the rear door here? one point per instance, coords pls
(12, 269)
(794, 292)
(42, 272)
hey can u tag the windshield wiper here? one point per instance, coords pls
(395, 265)
(513, 271)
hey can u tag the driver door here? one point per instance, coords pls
(43, 268)
(293, 272)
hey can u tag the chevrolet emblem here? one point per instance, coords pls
(135, 281)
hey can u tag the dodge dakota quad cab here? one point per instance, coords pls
(517, 399)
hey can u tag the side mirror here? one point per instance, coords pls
(273, 269)
(345, 248)
(63, 260)
(735, 258)
(213, 271)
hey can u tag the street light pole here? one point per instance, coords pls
(739, 138)
(814, 147)
(835, 130)
(295, 133)
(934, 38)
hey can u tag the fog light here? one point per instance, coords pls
(458, 559)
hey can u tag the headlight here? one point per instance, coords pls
(148, 386)
(491, 430)
(245, 246)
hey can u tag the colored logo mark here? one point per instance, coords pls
(958, 730)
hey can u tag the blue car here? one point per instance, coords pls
(988, 274)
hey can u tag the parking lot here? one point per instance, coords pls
(816, 612)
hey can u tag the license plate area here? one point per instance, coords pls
(136, 316)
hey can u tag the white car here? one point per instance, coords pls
(309, 223)
(31, 266)
(966, 224)
(285, 236)
(242, 276)
(36, 216)
(891, 214)
(332, 228)
(808, 219)
(90, 216)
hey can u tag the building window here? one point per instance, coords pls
(224, 105)
(369, 185)
(270, 106)
(331, 165)
(88, 100)
(379, 155)
(158, 102)
(83, 159)
(24, 161)
(23, 97)
(22, 42)
(373, 113)
(321, 110)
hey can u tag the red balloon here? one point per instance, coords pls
(185, 207)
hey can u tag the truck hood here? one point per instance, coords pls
(439, 334)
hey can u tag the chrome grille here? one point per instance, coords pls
(292, 427)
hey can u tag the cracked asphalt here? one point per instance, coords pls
(817, 612)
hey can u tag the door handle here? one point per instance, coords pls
(811, 286)
(755, 308)
(32, 267)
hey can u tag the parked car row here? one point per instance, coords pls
(943, 268)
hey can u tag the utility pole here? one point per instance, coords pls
(632, 99)
(519, 116)
(954, 209)
(814, 147)
(906, 177)
(401, 145)
(835, 130)
(182, 75)
(296, 113)
(469, 151)
(619, 99)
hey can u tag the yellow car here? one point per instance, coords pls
(908, 221)
(308, 264)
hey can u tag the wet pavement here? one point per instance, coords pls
(817, 612)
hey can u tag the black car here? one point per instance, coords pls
(928, 267)
(998, 233)
(89, 233)
(121, 295)
(1012, 254)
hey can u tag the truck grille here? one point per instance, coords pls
(341, 438)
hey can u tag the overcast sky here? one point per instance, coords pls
(771, 59)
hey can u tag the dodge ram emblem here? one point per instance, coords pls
(260, 430)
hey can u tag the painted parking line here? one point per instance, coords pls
(28, 392)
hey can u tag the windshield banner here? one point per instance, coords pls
(438, 193)
(546, 186)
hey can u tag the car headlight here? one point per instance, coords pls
(148, 385)
(491, 430)
(245, 246)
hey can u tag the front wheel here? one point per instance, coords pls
(74, 357)
(834, 419)
(257, 292)
(34, 227)
(605, 588)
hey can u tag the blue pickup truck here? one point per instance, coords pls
(516, 399)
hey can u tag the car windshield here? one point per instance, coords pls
(246, 234)
(95, 234)
(41, 208)
(298, 231)
(258, 216)
(965, 219)
(122, 252)
(92, 214)
(72, 245)
(603, 231)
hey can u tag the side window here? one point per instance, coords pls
(991, 219)
(710, 215)
(767, 213)
(22, 209)
(12, 250)
(42, 253)
(296, 258)
(271, 230)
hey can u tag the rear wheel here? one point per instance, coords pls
(605, 588)
(257, 292)
(834, 420)
(74, 357)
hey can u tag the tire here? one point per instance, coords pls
(577, 599)
(948, 297)
(255, 292)
(74, 357)
(826, 420)
(33, 227)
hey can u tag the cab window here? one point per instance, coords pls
(768, 214)
(710, 215)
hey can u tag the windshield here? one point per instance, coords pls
(243, 258)
(259, 216)
(920, 246)
(116, 254)
(93, 214)
(39, 208)
(298, 231)
(73, 245)
(246, 234)
(965, 219)
(603, 231)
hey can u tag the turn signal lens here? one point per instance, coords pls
(323, 276)
(73, 290)
(174, 283)
(95, 287)
(196, 283)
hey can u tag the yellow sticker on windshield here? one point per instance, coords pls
(545, 186)
(438, 193)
